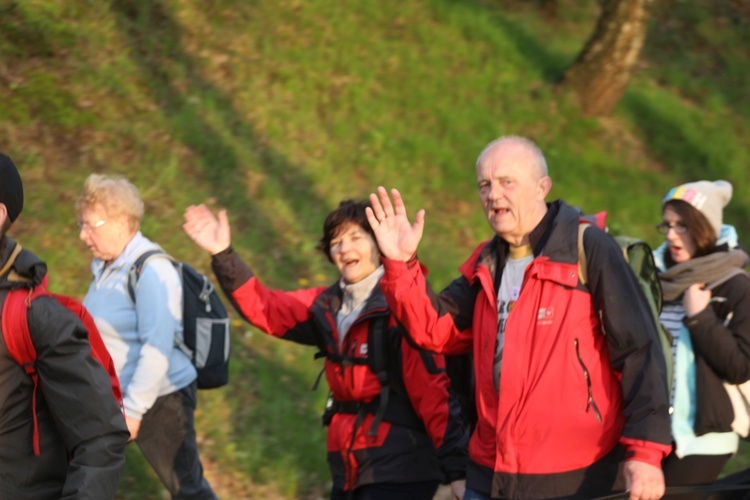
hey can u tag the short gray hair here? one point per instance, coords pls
(115, 194)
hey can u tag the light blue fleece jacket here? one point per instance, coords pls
(140, 336)
(684, 405)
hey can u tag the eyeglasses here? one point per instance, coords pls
(664, 228)
(90, 228)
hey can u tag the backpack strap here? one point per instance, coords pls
(134, 273)
(392, 404)
(11, 259)
(599, 220)
(18, 341)
(582, 272)
(137, 268)
(323, 353)
(329, 349)
(376, 342)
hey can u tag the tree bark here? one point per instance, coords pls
(602, 71)
(548, 8)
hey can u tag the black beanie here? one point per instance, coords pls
(11, 187)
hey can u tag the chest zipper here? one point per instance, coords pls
(590, 404)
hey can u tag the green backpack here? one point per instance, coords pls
(639, 256)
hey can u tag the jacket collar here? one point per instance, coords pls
(135, 247)
(556, 236)
(328, 303)
(27, 269)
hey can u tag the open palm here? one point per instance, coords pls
(209, 232)
(398, 239)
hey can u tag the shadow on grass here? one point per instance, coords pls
(272, 432)
(280, 433)
(665, 139)
(156, 48)
(262, 392)
(551, 64)
(139, 480)
(702, 42)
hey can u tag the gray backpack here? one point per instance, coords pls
(205, 334)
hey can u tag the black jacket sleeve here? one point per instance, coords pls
(721, 332)
(632, 339)
(77, 391)
(428, 387)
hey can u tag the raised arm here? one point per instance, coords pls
(281, 314)
(208, 231)
(397, 237)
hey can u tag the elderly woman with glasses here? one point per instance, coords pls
(707, 311)
(157, 379)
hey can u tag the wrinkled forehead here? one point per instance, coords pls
(94, 210)
(511, 158)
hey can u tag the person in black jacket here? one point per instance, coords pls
(82, 431)
(707, 311)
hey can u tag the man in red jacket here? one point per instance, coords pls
(560, 403)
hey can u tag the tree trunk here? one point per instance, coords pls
(548, 8)
(602, 71)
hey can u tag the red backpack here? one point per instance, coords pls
(18, 339)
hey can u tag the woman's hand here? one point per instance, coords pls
(134, 426)
(397, 237)
(695, 299)
(209, 232)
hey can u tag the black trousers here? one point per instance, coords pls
(167, 440)
(692, 470)
(389, 491)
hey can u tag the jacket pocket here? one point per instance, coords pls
(590, 403)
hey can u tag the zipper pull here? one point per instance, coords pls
(206, 293)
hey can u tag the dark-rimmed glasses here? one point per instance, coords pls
(678, 227)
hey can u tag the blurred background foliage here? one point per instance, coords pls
(278, 110)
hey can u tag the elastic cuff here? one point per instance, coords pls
(394, 265)
(454, 476)
(224, 253)
(645, 451)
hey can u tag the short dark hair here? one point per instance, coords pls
(702, 232)
(348, 212)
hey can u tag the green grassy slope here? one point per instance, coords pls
(277, 110)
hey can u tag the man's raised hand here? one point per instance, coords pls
(397, 237)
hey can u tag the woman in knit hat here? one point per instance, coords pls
(707, 311)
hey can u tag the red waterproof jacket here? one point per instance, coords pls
(570, 354)
(421, 436)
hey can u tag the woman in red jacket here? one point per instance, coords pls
(393, 430)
